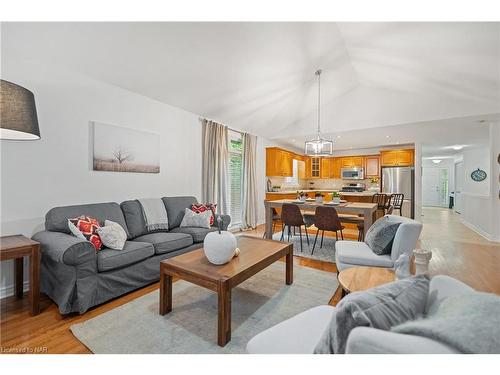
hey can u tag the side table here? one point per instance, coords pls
(17, 247)
(357, 279)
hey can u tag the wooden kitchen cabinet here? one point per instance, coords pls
(313, 167)
(372, 166)
(352, 161)
(335, 167)
(397, 158)
(325, 167)
(279, 162)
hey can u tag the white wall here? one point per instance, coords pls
(481, 207)
(56, 170)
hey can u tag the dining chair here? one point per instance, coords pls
(326, 218)
(291, 217)
(276, 217)
(396, 200)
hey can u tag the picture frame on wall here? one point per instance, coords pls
(120, 149)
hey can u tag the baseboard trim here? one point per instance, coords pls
(8, 291)
(479, 231)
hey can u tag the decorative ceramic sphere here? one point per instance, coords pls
(219, 247)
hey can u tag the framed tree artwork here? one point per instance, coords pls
(118, 149)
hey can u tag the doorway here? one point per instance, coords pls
(458, 186)
(435, 191)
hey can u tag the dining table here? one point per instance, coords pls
(365, 210)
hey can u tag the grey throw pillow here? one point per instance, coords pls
(382, 307)
(380, 235)
(198, 220)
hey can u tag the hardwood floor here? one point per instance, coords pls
(457, 251)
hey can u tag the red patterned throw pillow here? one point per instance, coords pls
(199, 208)
(85, 227)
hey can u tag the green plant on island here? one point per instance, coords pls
(335, 194)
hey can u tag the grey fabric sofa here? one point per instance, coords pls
(76, 277)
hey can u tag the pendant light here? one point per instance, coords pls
(319, 146)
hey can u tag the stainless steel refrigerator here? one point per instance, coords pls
(400, 180)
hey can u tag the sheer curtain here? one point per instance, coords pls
(249, 193)
(215, 165)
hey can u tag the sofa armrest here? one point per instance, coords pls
(226, 220)
(65, 248)
(367, 340)
(442, 287)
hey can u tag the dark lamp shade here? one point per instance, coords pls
(18, 119)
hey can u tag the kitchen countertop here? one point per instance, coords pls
(362, 194)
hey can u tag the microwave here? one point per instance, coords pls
(355, 173)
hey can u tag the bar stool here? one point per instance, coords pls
(396, 200)
(381, 200)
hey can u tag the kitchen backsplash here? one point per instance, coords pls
(318, 183)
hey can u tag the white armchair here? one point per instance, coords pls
(301, 333)
(352, 253)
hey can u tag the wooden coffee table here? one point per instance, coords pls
(255, 255)
(357, 279)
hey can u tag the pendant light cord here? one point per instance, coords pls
(318, 73)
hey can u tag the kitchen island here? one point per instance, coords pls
(362, 197)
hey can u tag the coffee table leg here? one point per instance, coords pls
(289, 266)
(224, 323)
(18, 276)
(165, 293)
(34, 292)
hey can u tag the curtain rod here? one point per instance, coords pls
(234, 130)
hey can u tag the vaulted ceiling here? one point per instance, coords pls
(259, 77)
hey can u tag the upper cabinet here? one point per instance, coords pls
(397, 158)
(279, 162)
(313, 167)
(325, 167)
(352, 161)
(372, 166)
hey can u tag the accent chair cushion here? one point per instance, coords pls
(198, 234)
(175, 208)
(380, 235)
(133, 252)
(359, 254)
(166, 242)
(382, 307)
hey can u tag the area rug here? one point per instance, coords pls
(260, 302)
(325, 253)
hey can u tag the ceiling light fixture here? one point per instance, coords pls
(319, 146)
(436, 161)
(457, 147)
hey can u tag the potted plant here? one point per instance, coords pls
(301, 196)
(319, 197)
(336, 197)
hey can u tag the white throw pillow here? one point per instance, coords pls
(112, 235)
(193, 219)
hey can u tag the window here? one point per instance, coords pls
(235, 176)
(294, 180)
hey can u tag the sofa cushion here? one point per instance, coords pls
(134, 217)
(133, 251)
(56, 220)
(382, 307)
(358, 253)
(198, 234)
(297, 335)
(166, 242)
(175, 208)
